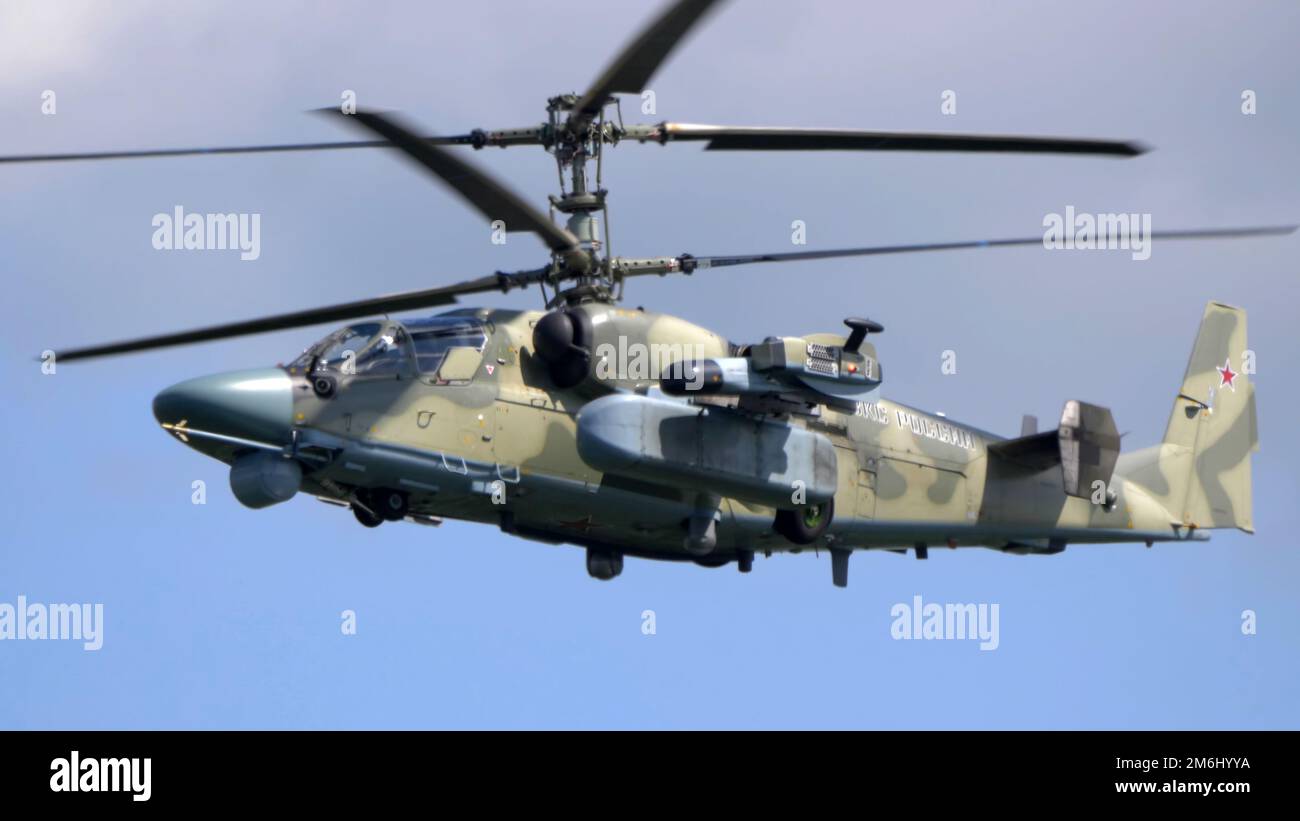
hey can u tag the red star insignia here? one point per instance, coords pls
(1227, 375)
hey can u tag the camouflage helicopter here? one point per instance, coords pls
(633, 433)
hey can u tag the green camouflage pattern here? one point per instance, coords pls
(906, 478)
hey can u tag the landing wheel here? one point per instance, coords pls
(391, 505)
(805, 524)
(365, 517)
(603, 564)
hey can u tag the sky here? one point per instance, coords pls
(216, 616)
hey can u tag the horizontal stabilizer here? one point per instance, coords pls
(1085, 445)
(1089, 448)
(1037, 451)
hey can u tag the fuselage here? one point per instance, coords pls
(461, 416)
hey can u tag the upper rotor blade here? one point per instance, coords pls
(492, 199)
(743, 138)
(724, 261)
(631, 70)
(464, 139)
(409, 300)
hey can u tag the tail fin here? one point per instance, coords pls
(1205, 457)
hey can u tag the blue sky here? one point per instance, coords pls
(221, 617)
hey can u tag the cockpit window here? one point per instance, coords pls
(344, 345)
(433, 338)
(303, 362)
(373, 348)
(384, 354)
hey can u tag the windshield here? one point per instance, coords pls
(345, 349)
(344, 345)
(384, 347)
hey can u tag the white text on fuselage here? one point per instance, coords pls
(919, 425)
(872, 411)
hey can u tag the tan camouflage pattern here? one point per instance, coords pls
(906, 477)
(1201, 471)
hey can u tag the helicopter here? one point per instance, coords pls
(628, 432)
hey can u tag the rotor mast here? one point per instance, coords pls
(577, 140)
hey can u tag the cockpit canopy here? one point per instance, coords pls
(418, 346)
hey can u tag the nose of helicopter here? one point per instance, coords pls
(254, 405)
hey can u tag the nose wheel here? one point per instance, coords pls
(603, 564)
(366, 517)
(391, 505)
(374, 507)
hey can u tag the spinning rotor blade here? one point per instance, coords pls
(741, 138)
(464, 139)
(492, 199)
(407, 301)
(631, 70)
(1205, 233)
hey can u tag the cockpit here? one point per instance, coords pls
(444, 349)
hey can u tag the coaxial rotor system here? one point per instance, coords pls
(577, 131)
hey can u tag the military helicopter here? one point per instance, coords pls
(633, 433)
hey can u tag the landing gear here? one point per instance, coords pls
(378, 505)
(806, 524)
(366, 517)
(391, 505)
(603, 564)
